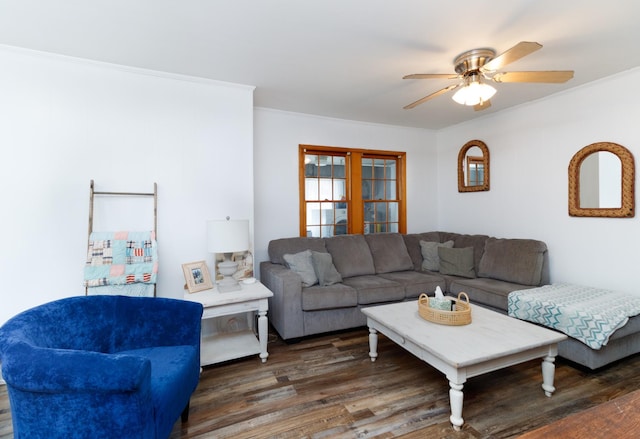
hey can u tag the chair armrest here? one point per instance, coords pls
(46, 370)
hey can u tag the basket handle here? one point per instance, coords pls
(461, 295)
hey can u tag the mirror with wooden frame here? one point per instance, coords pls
(601, 181)
(473, 167)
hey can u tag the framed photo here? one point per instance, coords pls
(197, 276)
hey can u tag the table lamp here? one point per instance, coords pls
(227, 236)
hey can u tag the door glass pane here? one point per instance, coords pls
(339, 189)
(326, 189)
(311, 189)
(341, 219)
(378, 191)
(310, 165)
(313, 213)
(381, 212)
(378, 168)
(390, 190)
(313, 231)
(368, 212)
(338, 167)
(390, 171)
(366, 189)
(393, 227)
(393, 212)
(367, 168)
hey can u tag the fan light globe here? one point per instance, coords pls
(474, 93)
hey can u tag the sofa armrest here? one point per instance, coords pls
(285, 307)
(160, 322)
(47, 370)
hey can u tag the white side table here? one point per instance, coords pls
(252, 299)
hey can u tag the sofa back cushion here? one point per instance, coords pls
(389, 252)
(351, 255)
(513, 260)
(280, 247)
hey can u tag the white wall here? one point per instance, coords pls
(64, 122)
(530, 148)
(277, 136)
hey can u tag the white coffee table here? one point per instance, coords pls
(490, 342)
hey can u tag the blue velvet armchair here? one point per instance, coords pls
(101, 366)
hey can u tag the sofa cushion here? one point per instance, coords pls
(375, 289)
(389, 252)
(430, 258)
(456, 261)
(351, 255)
(279, 247)
(416, 283)
(302, 264)
(330, 297)
(513, 260)
(485, 291)
(324, 268)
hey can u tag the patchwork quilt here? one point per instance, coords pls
(121, 258)
(590, 315)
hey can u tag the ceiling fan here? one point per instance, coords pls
(478, 66)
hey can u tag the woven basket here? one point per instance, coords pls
(461, 315)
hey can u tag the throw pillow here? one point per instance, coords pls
(456, 261)
(302, 264)
(430, 258)
(325, 270)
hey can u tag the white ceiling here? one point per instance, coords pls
(337, 58)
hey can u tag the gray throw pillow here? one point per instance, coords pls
(430, 258)
(457, 261)
(302, 264)
(325, 270)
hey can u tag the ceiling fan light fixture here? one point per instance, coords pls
(474, 93)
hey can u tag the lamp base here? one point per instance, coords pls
(228, 283)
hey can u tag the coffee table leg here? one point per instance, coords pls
(455, 399)
(548, 373)
(373, 344)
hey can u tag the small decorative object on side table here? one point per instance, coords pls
(216, 346)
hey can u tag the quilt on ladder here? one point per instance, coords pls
(590, 315)
(121, 258)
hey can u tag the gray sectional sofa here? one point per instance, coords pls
(388, 267)
(321, 284)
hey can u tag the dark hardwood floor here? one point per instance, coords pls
(327, 387)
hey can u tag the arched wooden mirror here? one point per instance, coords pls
(601, 181)
(473, 167)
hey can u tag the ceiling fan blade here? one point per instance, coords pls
(482, 106)
(431, 96)
(523, 48)
(431, 76)
(550, 76)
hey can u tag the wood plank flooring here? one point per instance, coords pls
(327, 387)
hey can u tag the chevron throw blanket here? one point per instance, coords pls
(590, 315)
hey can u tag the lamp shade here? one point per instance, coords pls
(227, 236)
